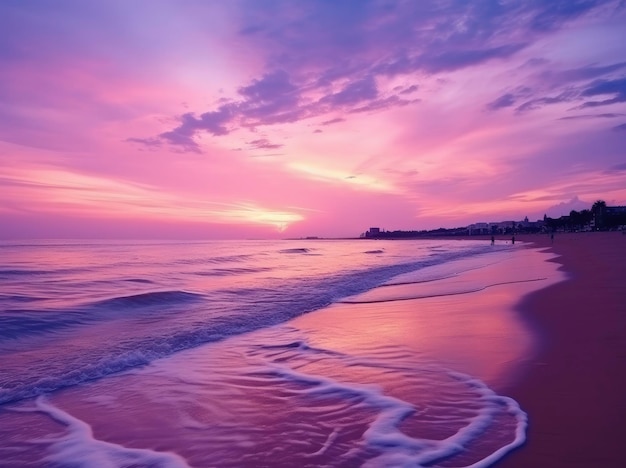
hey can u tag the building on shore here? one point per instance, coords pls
(478, 229)
(505, 227)
(372, 232)
(610, 217)
(600, 217)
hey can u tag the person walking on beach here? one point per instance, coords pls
(552, 237)
(513, 239)
(493, 240)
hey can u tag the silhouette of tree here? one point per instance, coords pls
(598, 206)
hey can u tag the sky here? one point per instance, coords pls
(203, 119)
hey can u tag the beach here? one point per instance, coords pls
(574, 388)
(459, 354)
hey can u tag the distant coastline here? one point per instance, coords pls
(599, 217)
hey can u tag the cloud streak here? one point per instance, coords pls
(86, 194)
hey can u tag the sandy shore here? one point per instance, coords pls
(574, 390)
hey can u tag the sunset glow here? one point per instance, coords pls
(270, 119)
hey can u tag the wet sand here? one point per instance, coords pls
(478, 333)
(574, 389)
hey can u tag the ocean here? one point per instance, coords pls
(262, 353)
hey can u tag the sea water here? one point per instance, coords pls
(200, 354)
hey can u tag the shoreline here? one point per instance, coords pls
(573, 388)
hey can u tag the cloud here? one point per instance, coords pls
(354, 93)
(620, 128)
(67, 192)
(409, 90)
(608, 115)
(566, 96)
(319, 58)
(607, 87)
(571, 84)
(212, 122)
(456, 59)
(145, 141)
(272, 98)
(563, 208)
(263, 143)
(333, 121)
(551, 15)
(392, 101)
(506, 100)
(271, 87)
(618, 167)
(616, 88)
(581, 74)
(510, 98)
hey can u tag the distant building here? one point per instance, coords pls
(505, 227)
(614, 216)
(610, 217)
(373, 232)
(478, 229)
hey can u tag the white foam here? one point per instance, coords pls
(399, 449)
(434, 450)
(446, 289)
(481, 409)
(329, 441)
(78, 447)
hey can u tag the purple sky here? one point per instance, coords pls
(238, 119)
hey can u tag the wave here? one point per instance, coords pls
(18, 272)
(14, 391)
(238, 258)
(425, 280)
(451, 292)
(18, 323)
(377, 251)
(301, 250)
(143, 327)
(161, 298)
(232, 271)
(20, 298)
